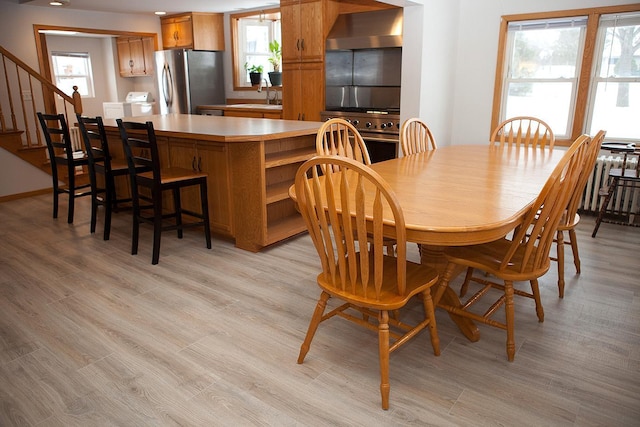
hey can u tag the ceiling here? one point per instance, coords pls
(150, 6)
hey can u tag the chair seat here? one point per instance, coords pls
(488, 257)
(419, 278)
(568, 225)
(172, 175)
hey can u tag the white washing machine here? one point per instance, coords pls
(136, 104)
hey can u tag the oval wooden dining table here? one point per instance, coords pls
(463, 195)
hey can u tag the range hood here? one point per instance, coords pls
(366, 30)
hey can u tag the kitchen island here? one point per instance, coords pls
(251, 165)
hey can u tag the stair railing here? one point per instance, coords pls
(24, 92)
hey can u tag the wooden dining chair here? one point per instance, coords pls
(523, 131)
(522, 257)
(62, 155)
(339, 137)
(347, 233)
(416, 137)
(143, 160)
(101, 164)
(570, 217)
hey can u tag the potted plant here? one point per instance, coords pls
(275, 76)
(255, 73)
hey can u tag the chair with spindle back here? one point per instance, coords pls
(143, 159)
(523, 131)
(62, 154)
(571, 218)
(416, 137)
(339, 137)
(347, 233)
(522, 256)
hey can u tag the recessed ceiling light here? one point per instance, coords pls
(160, 13)
(59, 3)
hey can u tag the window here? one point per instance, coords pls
(251, 35)
(579, 71)
(73, 69)
(614, 100)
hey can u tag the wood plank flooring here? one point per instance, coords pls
(93, 336)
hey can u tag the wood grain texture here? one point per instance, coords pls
(92, 336)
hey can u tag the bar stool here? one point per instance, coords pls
(56, 135)
(145, 173)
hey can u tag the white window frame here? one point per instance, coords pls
(90, 93)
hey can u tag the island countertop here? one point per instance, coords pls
(224, 129)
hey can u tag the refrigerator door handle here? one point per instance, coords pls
(167, 85)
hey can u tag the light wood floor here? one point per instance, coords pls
(92, 336)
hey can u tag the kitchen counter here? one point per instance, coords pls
(251, 164)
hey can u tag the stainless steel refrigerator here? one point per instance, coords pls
(187, 79)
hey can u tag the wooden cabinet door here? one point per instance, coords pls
(290, 27)
(302, 32)
(124, 56)
(177, 32)
(135, 56)
(311, 31)
(303, 91)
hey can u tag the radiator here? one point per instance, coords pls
(626, 201)
(76, 138)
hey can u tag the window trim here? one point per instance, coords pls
(235, 39)
(88, 77)
(586, 68)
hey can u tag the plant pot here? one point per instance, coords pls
(255, 78)
(275, 77)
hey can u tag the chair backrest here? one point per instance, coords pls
(416, 137)
(95, 141)
(343, 204)
(537, 231)
(590, 159)
(141, 150)
(341, 138)
(58, 139)
(524, 131)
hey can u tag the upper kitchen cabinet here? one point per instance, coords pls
(303, 30)
(200, 31)
(135, 56)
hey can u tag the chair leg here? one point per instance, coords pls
(94, 212)
(605, 204)
(157, 225)
(72, 197)
(135, 230)
(510, 319)
(535, 290)
(429, 312)
(313, 325)
(574, 249)
(108, 207)
(205, 213)
(465, 284)
(560, 260)
(177, 209)
(383, 347)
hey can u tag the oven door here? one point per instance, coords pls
(381, 147)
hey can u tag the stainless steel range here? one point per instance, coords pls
(379, 129)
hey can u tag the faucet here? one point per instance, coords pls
(266, 84)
